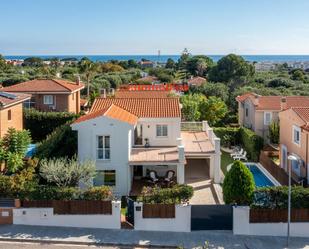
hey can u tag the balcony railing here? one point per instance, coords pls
(191, 126)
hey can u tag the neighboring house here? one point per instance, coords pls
(258, 112)
(128, 137)
(50, 94)
(196, 81)
(294, 140)
(11, 111)
(146, 64)
(148, 79)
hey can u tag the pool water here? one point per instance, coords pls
(260, 179)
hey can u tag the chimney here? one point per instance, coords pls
(283, 103)
(103, 93)
(78, 80)
(112, 91)
(256, 99)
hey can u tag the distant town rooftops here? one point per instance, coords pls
(45, 85)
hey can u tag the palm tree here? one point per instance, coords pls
(88, 69)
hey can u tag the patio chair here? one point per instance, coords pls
(241, 157)
(237, 153)
(153, 177)
(169, 177)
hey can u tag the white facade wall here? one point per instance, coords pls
(181, 223)
(149, 131)
(120, 134)
(242, 226)
(46, 217)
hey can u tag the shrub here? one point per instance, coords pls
(175, 195)
(277, 197)
(67, 172)
(98, 193)
(60, 143)
(13, 148)
(274, 132)
(40, 124)
(44, 192)
(238, 185)
(228, 135)
(252, 143)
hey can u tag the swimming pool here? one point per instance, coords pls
(260, 179)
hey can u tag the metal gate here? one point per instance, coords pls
(130, 211)
(211, 217)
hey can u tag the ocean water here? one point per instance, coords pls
(163, 58)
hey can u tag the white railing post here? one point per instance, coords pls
(181, 153)
(210, 135)
(217, 161)
(205, 126)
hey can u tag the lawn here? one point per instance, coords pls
(225, 161)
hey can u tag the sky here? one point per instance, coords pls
(126, 27)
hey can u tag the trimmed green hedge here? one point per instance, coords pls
(62, 142)
(277, 197)
(228, 135)
(251, 142)
(175, 195)
(40, 124)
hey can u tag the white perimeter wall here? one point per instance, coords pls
(241, 226)
(46, 217)
(181, 223)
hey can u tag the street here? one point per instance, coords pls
(24, 245)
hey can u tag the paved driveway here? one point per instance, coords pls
(197, 176)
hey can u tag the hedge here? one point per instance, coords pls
(228, 135)
(62, 142)
(277, 197)
(251, 142)
(40, 124)
(175, 195)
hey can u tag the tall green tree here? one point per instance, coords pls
(238, 185)
(170, 63)
(88, 69)
(233, 70)
(199, 65)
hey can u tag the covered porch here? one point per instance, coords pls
(164, 162)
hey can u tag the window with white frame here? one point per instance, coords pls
(267, 118)
(296, 135)
(161, 131)
(103, 147)
(48, 99)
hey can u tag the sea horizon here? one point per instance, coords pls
(163, 58)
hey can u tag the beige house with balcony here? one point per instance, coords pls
(294, 140)
(257, 112)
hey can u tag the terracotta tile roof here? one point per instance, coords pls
(7, 98)
(302, 112)
(275, 102)
(142, 108)
(141, 94)
(45, 85)
(197, 81)
(113, 112)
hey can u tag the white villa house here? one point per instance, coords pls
(128, 137)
